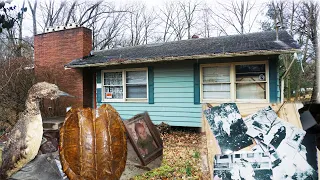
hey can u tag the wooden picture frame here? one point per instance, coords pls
(144, 137)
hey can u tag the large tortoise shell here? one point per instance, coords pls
(93, 144)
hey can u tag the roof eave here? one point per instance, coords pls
(193, 57)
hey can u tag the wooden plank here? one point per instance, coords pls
(172, 84)
(172, 89)
(174, 94)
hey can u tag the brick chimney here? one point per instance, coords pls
(52, 50)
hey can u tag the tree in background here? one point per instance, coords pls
(16, 78)
(300, 19)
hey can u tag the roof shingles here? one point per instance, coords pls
(261, 41)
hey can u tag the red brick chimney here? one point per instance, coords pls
(52, 50)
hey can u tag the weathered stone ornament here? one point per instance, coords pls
(25, 137)
(93, 144)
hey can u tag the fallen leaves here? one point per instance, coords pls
(181, 157)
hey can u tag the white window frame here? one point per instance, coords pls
(233, 83)
(124, 85)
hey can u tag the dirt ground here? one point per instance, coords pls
(184, 157)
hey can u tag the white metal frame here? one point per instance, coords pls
(233, 83)
(124, 86)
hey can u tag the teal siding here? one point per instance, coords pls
(176, 92)
(173, 97)
(274, 87)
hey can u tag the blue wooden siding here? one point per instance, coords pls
(274, 87)
(173, 98)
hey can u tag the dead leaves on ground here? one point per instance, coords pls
(182, 157)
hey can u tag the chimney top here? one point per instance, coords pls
(195, 36)
(59, 28)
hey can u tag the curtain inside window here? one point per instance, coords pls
(251, 81)
(251, 91)
(113, 88)
(216, 82)
(136, 84)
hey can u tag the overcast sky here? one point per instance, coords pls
(27, 31)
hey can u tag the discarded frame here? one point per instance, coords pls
(144, 137)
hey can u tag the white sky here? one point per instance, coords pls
(27, 31)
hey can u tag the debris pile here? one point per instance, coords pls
(273, 148)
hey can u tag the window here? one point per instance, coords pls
(125, 85)
(136, 83)
(216, 82)
(113, 85)
(251, 81)
(234, 82)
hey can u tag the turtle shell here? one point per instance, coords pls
(93, 144)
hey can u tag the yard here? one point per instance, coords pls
(184, 157)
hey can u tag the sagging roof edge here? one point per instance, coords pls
(179, 58)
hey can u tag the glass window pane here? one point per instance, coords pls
(113, 92)
(216, 91)
(253, 72)
(251, 91)
(113, 78)
(134, 91)
(136, 77)
(216, 74)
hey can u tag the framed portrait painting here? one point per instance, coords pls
(144, 137)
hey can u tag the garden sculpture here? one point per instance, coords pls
(25, 137)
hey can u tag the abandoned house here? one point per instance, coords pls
(171, 80)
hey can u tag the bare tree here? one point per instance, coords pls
(33, 9)
(15, 79)
(189, 10)
(237, 15)
(205, 18)
(310, 11)
(165, 16)
(150, 25)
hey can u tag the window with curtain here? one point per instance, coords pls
(136, 84)
(234, 81)
(113, 86)
(251, 81)
(216, 82)
(125, 85)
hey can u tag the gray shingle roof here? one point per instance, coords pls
(215, 46)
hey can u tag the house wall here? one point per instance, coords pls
(176, 95)
(173, 97)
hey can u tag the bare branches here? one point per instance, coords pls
(237, 15)
(189, 10)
